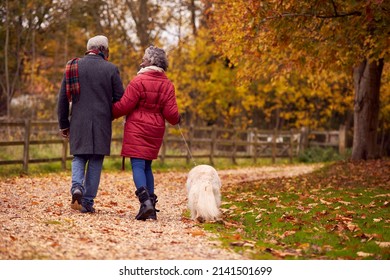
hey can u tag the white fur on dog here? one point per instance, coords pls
(203, 190)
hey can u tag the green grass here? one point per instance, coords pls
(340, 212)
(115, 164)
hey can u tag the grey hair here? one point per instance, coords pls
(157, 57)
(96, 42)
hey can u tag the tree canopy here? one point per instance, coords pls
(265, 64)
(313, 34)
(346, 36)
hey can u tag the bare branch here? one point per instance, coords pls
(314, 15)
(334, 8)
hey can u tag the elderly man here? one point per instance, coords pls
(89, 87)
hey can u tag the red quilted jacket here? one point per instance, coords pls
(148, 101)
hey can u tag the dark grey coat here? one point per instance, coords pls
(90, 117)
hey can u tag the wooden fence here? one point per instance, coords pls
(20, 133)
(190, 143)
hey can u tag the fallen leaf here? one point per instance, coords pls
(197, 233)
(383, 244)
(325, 202)
(280, 206)
(289, 252)
(382, 195)
(228, 224)
(344, 202)
(287, 233)
(237, 236)
(237, 243)
(363, 254)
(352, 227)
(304, 246)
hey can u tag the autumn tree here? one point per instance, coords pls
(209, 92)
(23, 23)
(299, 99)
(342, 35)
(204, 83)
(203, 79)
(384, 116)
(148, 22)
(39, 36)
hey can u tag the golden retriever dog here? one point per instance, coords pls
(203, 190)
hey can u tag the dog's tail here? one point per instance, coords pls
(208, 204)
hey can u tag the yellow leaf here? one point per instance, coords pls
(197, 233)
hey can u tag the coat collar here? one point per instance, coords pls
(150, 68)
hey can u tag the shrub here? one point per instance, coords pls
(317, 154)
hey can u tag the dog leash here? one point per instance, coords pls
(185, 142)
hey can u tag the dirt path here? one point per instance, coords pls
(37, 222)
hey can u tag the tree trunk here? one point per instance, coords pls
(143, 25)
(192, 8)
(367, 78)
(140, 12)
(5, 108)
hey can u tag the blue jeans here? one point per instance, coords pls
(142, 174)
(86, 171)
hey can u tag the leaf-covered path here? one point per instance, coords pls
(38, 223)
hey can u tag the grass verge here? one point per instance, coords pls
(338, 212)
(115, 164)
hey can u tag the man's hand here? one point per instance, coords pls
(65, 133)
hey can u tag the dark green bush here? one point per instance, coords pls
(318, 154)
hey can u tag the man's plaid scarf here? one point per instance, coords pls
(72, 76)
(72, 80)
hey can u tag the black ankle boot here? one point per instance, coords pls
(154, 200)
(146, 207)
(77, 194)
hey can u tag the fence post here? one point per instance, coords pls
(254, 145)
(342, 139)
(64, 153)
(27, 131)
(234, 161)
(304, 139)
(250, 139)
(164, 146)
(290, 152)
(213, 143)
(274, 146)
(190, 137)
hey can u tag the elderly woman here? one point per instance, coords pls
(148, 101)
